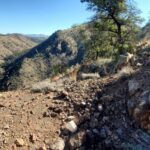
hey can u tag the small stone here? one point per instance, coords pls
(5, 141)
(77, 140)
(6, 126)
(71, 126)
(53, 115)
(59, 144)
(42, 148)
(32, 138)
(83, 103)
(139, 64)
(46, 114)
(100, 107)
(133, 86)
(65, 93)
(19, 142)
(50, 97)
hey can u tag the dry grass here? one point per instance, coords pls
(46, 86)
(124, 72)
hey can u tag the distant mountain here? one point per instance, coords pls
(37, 38)
(62, 49)
(11, 44)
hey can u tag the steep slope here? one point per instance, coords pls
(62, 49)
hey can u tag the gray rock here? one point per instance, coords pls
(133, 86)
(103, 132)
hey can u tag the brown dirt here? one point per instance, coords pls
(22, 112)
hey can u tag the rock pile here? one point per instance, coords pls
(107, 113)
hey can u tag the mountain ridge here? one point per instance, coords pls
(61, 50)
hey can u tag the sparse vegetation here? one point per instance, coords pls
(43, 87)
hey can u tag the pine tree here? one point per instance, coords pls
(115, 26)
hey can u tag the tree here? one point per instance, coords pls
(118, 21)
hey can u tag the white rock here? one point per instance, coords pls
(83, 103)
(139, 64)
(100, 107)
(71, 126)
(19, 142)
(58, 145)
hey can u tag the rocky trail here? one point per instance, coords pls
(95, 114)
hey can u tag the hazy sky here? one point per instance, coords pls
(47, 16)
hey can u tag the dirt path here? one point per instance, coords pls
(21, 117)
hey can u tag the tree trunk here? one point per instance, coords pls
(120, 39)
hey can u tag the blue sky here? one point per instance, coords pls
(47, 16)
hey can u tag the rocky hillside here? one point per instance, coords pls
(14, 43)
(94, 114)
(60, 50)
